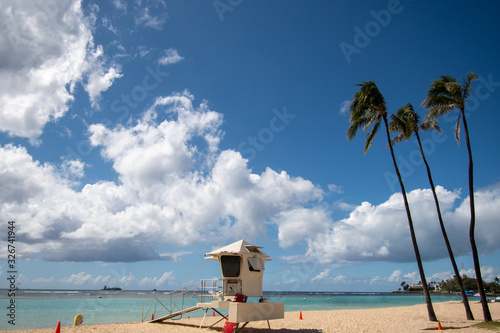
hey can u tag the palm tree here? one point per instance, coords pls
(444, 96)
(407, 122)
(368, 108)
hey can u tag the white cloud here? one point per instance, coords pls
(325, 275)
(171, 57)
(170, 190)
(344, 107)
(153, 16)
(488, 273)
(340, 278)
(98, 81)
(381, 232)
(46, 48)
(123, 280)
(121, 5)
(176, 256)
(166, 279)
(440, 276)
(395, 276)
(73, 168)
(176, 186)
(412, 278)
(344, 206)
(301, 223)
(84, 278)
(335, 188)
(47, 281)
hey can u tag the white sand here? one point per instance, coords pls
(401, 320)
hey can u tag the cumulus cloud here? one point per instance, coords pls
(174, 186)
(301, 223)
(325, 275)
(380, 232)
(412, 278)
(46, 48)
(395, 276)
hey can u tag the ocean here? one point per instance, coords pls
(45, 308)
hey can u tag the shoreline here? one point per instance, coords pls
(397, 319)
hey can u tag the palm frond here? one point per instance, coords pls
(440, 110)
(430, 125)
(399, 138)
(356, 125)
(405, 121)
(443, 96)
(366, 109)
(467, 84)
(457, 128)
(371, 135)
(374, 118)
(396, 124)
(444, 91)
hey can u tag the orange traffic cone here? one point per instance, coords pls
(213, 313)
(300, 315)
(58, 328)
(152, 316)
(440, 328)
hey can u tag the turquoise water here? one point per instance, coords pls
(43, 309)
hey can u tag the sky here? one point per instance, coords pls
(136, 136)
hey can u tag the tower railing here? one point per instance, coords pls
(180, 301)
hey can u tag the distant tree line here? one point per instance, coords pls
(470, 284)
(452, 286)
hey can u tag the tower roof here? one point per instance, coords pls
(239, 247)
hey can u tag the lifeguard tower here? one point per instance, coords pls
(242, 266)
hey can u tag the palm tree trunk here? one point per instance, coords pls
(468, 311)
(475, 255)
(430, 309)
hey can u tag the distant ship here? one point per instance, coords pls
(111, 288)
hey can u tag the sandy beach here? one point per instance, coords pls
(403, 319)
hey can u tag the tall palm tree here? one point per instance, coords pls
(407, 122)
(368, 108)
(445, 95)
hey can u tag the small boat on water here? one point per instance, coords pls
(111, 288)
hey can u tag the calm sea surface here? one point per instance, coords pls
(45, 308)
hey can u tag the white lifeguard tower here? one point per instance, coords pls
(242, 266)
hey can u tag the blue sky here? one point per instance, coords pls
(135, 136)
